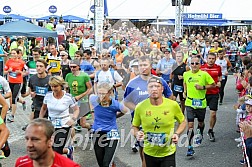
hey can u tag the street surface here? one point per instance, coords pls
(222, 153)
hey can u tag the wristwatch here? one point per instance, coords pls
(204, 87)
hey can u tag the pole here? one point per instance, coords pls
(178, 18)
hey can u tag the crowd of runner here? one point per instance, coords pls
(69, 83)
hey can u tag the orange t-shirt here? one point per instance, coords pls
(157, 43)
(119, 60)
(15, 65)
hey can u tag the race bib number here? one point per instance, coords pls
(156, 138)
(53, 64)
(13, 75)
(178, 88)
(119, 64)
(41, 91)
(223, 77)
(197, 103)
(113, 135)
(57, 123)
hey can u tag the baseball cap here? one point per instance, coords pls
(249, 102)
(154, 79)
(134, 63)
(75, 61)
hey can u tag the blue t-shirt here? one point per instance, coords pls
(136, 90)
(87, 67)
(1, 52)
(105, 117)
(163, 65)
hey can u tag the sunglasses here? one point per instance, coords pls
(195, 63)
(62, 55)
(72, 66)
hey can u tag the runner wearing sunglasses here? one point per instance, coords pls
(195, 84)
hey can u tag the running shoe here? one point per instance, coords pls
(10, 118)
(78, 128)
(9, 110)
(238, 139)
(242, 162)
(6, 149)
(211, 136)
(70, 153)
(89, 116)
(24, 105)
(198, 139)
(134, 149)
(190, 151)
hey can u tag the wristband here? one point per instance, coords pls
(204, 87)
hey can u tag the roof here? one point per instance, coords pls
(23, 28)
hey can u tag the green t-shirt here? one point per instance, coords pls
(77, 84)
(1, 121)
(49, 26)
(158, 126)
(196, 98)
(32, 67)
(13, 45)
(72, 49)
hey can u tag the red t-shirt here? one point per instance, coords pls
(15, 65)
(59, 161)
(215, 72)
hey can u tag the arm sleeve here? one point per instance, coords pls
(167, 90)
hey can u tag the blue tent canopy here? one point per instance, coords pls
(14, 17)
(23, 28)
(47, 18)
(71, 18)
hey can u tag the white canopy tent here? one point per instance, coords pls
(131, 9)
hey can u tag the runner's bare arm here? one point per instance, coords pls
(130, 105)
(4, 133)
(5, 107)
(42, 111)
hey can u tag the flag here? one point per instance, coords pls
(105, 8)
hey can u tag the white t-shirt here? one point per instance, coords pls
(223, 64)
(4, 86)
(59, 108)
(60, 28)
(106, 76)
